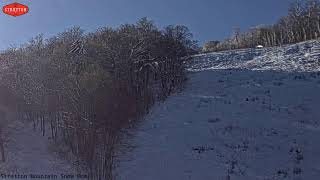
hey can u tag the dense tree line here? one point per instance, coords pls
(87, 87)
(301, 24)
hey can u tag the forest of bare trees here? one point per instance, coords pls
(85, 87)
(301, 24)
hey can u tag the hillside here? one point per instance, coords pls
(302, 57)
(245, 114)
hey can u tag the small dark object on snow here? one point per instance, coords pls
(214, 120)
(201, 149)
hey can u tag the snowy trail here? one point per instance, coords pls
(231, 124)
(28, 152)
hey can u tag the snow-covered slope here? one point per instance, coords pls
(303, 57)
(247, 114)
(29, 153)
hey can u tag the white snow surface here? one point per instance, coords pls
(245, 114)
(302, 57)
(28, 152)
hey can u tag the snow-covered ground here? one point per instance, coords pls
(302, 57)
(246, 114)
(28, 152)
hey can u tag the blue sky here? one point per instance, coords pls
(207, 19)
